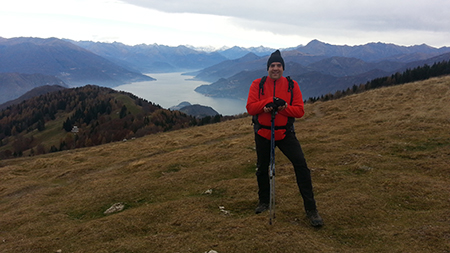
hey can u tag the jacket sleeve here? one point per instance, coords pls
(255, 105)
(296, 110)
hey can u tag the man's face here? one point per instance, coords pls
(275, 70)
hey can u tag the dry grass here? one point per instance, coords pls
(380, 166)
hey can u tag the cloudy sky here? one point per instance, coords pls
(218, 23)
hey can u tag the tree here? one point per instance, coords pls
(41, 125)
(123, 112)
(53, 149)
(67, 125)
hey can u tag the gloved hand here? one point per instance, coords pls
(272, 105)
(279, 102)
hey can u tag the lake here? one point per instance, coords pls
(170, 89)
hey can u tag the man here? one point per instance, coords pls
(275, 93)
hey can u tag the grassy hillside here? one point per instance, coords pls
(44, 123)
(379, 161)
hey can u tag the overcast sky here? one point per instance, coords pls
(217, 23)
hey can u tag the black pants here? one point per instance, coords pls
(291, 148)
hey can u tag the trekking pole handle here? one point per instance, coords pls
(274, 113)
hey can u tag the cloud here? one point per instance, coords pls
(374, 15)
(321, 17)
(281, 23)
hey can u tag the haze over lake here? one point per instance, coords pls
(170, 89)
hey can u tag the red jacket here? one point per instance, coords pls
(256, 102)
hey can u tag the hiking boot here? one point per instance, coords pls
(314, 218)
(261, 207)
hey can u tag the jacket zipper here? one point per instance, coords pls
(274, 84)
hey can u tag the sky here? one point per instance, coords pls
(227, 23)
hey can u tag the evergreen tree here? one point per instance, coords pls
(123, 112)
(67, 125)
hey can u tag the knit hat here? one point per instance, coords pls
(275, 57)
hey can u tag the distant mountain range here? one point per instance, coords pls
(74, 65)
(153, 58)
(41, 90)
(13, 85)
(318, 67)
(238, 52)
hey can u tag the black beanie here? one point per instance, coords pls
(275, 57)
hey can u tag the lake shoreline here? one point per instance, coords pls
(171, 89)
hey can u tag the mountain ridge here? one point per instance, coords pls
(72, 64)
(40, 90)
(318, 75)
(373, 51)
(153, 58)
(14, 85)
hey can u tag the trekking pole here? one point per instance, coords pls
(272, 170)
